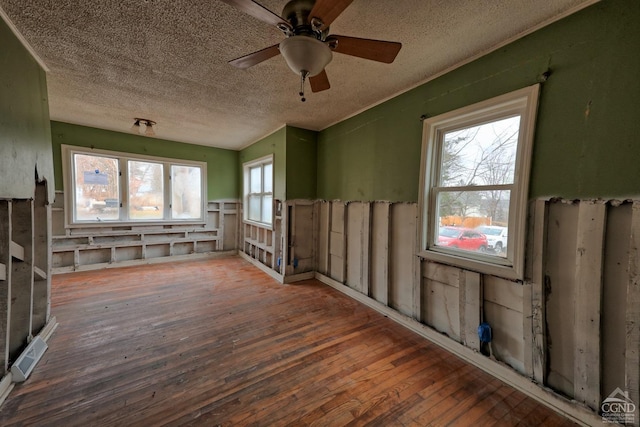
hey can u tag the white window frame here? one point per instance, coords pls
(246, 167)
(521, 102)
(68, 170)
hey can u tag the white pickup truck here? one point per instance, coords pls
(496, 237)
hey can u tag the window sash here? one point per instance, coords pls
(521, 103)
(258, 196)
(133, 205)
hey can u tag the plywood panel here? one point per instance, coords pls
(62, 259)
(588, 272)
(507, 341)
(337, 242)
(470, 294)
(337, 271)
(156, 251)
(403, 258)
(614, 297)
(303, 235)
(440, 308)
(380, 252)
(337, 216)
(125, 253)
(560, 288)
(182, 248)
(95, 256)
(206, 246)
(230, 233)
(441, 273)
(323, 236)
(503, 292)
(358, 247)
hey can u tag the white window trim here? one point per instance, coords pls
(245, 194)
(523, 102)
(69, 177)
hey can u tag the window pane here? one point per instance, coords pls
(268, 178)
(146, 193)
(255, 180)
(97, 196)
(254, 208)
(462, 214)
(480, 155)
(186, 192)
(267, 208)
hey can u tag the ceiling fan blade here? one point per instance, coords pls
(254, 58)
(328, 10)
(256, 10)
(319, 82)
(375, 50)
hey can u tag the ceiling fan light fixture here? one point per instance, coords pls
(136, 126)
(149, 130)
(304, 53)
(148, 124)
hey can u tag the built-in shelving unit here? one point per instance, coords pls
(83, 248)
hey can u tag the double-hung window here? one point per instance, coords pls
(258, 191)
(474, 182)
(104, 187)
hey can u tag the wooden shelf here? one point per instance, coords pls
(17, 251)
(39, 273)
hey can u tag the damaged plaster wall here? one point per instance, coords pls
(25, 134)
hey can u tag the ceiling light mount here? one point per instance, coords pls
(148, 124)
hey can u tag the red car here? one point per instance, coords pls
(462, 238)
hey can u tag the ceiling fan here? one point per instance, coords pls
(308, 46)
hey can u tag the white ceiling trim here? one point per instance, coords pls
(472, 58)
(24, 41)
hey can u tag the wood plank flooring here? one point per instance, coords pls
(219, 343)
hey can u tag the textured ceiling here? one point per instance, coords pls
(166, 60)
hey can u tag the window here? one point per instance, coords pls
(474, 181)
(107, 187)
(258, 190)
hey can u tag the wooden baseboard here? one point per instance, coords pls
(134, 262)
(48, 329)
(6, 385)
(300, 277)
(546, 396)
(277, 276)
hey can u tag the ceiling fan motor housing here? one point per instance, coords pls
(296, 13)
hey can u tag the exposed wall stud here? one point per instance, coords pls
(632, 353)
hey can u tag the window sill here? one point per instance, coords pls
(130, 224)
(258, 224)
(485, 264)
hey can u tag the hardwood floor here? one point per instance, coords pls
(220, 343)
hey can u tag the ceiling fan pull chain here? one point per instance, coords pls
(303, 77)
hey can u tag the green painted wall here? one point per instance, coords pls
(301, 163)
(586, 142)
(25, 135)
(294, 156)
(222, 165)
(275, 144)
